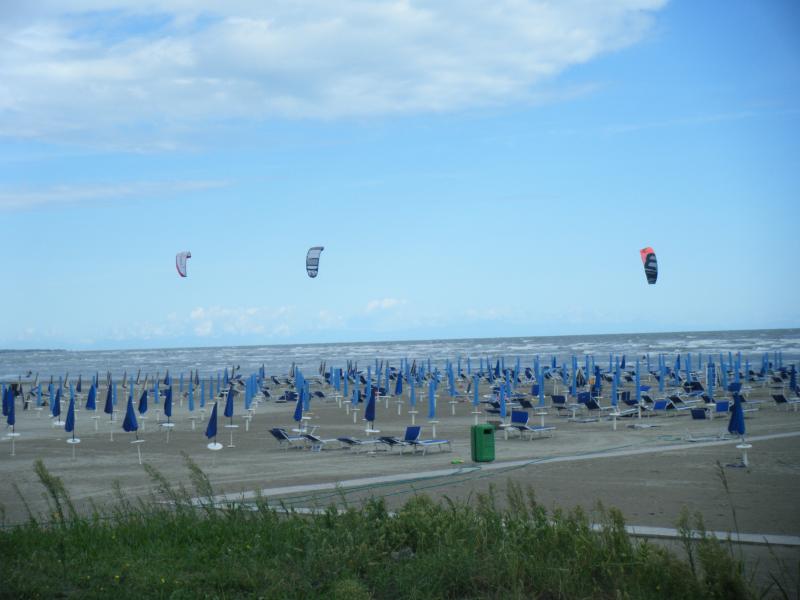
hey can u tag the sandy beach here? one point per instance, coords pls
(651, 474)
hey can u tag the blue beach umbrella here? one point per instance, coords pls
(202, 393)
(369, 412)
(736, 423)
(156, 398)
(39, 395)
(298, 409)
(69, 425)
(191, 396)
(55, 409)
(168, 403)
(130, 423)
(229, 403)
(398, 386)
(710, 380)
(91, 398)
(412, 400)
(614, 383)
(573, 387)
(211, 428)
(143, 402)
(9, 408)
(502, 402)
(432, 400)
(180, 384)
(638, 384)
(475, 384)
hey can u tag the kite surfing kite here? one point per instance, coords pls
(180, 262)
(650, 265)
(312, 260)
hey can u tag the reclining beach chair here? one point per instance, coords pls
(394, 442)
(519, 421)
(317, 443)
(412, 437)
(781, 400)
(286, 440)
(357, 445)
(678, 403)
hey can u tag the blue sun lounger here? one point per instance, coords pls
(412, 437)
(782, 400)
(357, 445)
(519, 422)
(286, 440)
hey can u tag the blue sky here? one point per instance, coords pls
(472, 169)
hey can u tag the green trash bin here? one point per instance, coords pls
(482, 442)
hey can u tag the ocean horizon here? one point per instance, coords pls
(278, 358)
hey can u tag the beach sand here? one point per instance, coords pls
(650, 474)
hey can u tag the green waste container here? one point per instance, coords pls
(482, 442)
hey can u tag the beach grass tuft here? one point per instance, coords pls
(179, 544)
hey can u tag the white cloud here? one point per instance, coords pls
(383, 304)
(72, 194)
(153, 71)
(240, 321)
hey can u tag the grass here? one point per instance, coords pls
(164, 547)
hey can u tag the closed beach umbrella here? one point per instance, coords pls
(69, 425)
(475, 384)
(130, 423)
(9, 408)
(432, 399)
(211, 428)
(413, 397)
(614, 383)
(736, 423)
(202, 393)
(143, 402)
(55, 409)
(229, 403)
(298, 409)
(168, 403)
(398, 386)
(191, 395)
(91, 398)
(369, 412)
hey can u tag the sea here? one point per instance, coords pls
(278, 359)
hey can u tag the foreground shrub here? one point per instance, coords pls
(168, 547)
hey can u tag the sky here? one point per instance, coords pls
(472, 169)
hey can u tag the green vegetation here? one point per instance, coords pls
(427, 549)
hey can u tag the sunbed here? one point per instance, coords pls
(286, 440)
